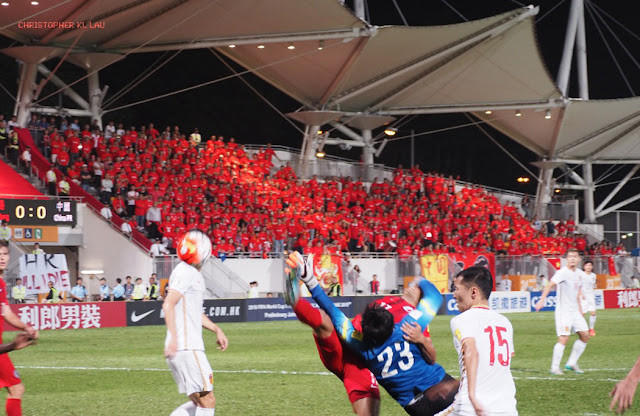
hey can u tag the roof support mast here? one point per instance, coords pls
(575, 38)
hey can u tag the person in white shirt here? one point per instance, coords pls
(26, 158)
(158, 249)
(568, 313)
(110, 130)
(588, 301)
(253, 290)
(52, 182)
(126, 227)
(106, 212)
(484, 342)
(184, 345)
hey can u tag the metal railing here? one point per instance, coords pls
(220, 281)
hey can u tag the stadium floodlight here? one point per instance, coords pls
(547, 114)
(260, 46)
(4, 3)
(319, 132)
(232, 46)
(391, 131)
(518, 113)
(34, 3)
(291, 46)
(630, 235)
(488, 112)
(320, 154)
(321, 44)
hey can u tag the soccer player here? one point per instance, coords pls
(484, 342)
(399, 366)
(184, 346)
(588, 301)
(361, 385)
(568, 314)
(9, 377)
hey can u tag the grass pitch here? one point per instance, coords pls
(272, 368)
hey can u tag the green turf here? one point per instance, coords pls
(127, 389)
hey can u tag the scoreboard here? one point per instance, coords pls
(38, 212)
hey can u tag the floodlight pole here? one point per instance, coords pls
(577, 8)
(28, 72)
(95, 94)
(358, 8)
(589, 210)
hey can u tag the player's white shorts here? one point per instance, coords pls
(588, 304)
(568, 324)
(191, 371)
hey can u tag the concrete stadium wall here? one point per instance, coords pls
(106, 249)
(269, 272)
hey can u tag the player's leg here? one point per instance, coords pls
(10, 379)
(205, 403)
(592, 323)
(361, 385)
(367, 406)
(581, 328)
(14, 400)
(187, 409)
(563, 330)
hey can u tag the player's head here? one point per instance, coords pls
(194, 248)
(377, 324)
(18, 281)
(587, 266)
(573, 257)
(4, 255)
(472, 286)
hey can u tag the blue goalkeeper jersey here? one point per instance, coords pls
(397, 364)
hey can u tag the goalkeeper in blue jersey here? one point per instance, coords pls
(422, 388)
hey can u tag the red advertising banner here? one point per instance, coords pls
(70, 315)
(555, 262)
(622, 298)
(326, 267)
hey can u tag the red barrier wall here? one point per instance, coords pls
(71, 315)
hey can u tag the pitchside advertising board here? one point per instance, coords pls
(275, 309)
(218, 310)
(616, 299)
(70, 315)
(510, 302)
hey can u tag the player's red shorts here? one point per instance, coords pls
(359, 382)
(8, 373)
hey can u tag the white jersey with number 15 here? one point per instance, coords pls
(493, 334)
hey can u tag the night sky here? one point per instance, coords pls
(230, 108)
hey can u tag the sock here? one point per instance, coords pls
(14, 407)
(592, 322)
(187, 409)
(307, 314)
(576, 352)
(558, 352)
(201, 411)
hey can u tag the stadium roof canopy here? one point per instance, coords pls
(322, 55)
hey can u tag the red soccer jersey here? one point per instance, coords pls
(398, 307)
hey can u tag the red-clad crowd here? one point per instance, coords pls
(168, 182)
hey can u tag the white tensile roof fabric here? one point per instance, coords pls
(342, 63)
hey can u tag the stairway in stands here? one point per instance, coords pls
(16, 183)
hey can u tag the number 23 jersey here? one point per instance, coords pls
(493, 334)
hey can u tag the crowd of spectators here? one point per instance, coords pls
(166, 182)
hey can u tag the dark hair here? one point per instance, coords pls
(478, 276)
(119, 280)
(587, 262)
(4, 243)
(377, 324)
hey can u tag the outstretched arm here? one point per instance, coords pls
(343, 325)
(430, 301)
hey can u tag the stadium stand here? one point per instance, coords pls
(247, 205)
